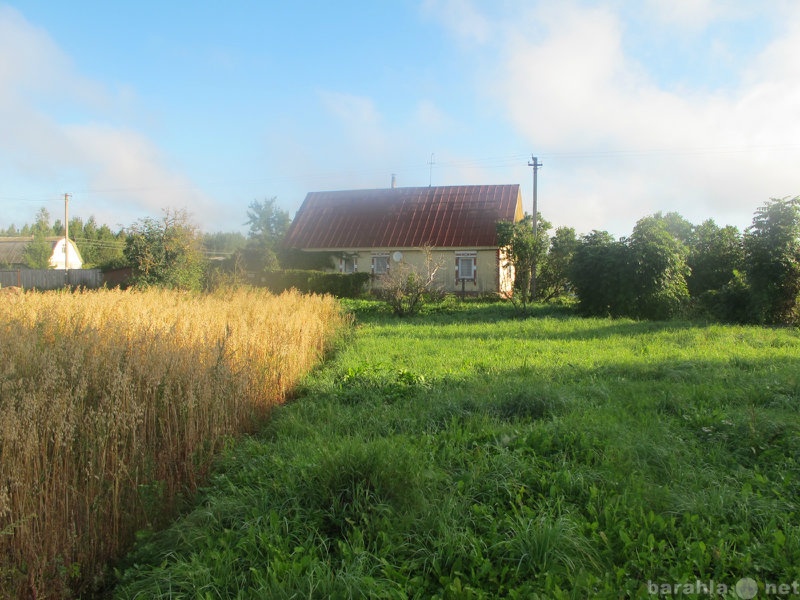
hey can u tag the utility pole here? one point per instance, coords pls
(534, 162)
(66, 239)
(430, 175)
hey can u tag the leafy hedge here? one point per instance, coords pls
(341, 285)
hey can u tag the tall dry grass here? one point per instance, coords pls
(113, 403)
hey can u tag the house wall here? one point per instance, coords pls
(58, 256)
(489, 276)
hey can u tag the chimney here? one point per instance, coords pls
(394, 181)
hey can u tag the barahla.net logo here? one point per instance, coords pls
(746, 588)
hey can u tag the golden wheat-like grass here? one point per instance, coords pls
(112, 403)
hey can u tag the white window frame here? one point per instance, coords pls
(380, 259)
(464, 258)
(346, 261)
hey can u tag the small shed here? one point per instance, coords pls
(371, 230)
(12, 252)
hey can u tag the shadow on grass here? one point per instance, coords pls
(685, 390)
(399, 481)
(474, 313)
(452, 311)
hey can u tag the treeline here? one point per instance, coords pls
(171, 251)
(669, 267)
(104, 248)
(100, 247)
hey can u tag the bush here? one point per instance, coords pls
(643, 277)
(772, 262)
(341, 285)
(731, 303)
(165, 252)
(406, 288)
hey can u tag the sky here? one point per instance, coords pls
(632, 106)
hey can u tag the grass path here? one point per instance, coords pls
(468, 454)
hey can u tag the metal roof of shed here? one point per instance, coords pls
(12, 250)
(410, 217)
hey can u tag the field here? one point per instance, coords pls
(112, 405)
(469, 454)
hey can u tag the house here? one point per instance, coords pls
(12, 252)
(374, 230)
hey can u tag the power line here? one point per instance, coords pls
(100, 243)
(488, 162)
(670, 151)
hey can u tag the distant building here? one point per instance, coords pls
(12, 253)
(371, 230)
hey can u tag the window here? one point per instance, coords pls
(380, 264)
(349, 264)
(466, 266)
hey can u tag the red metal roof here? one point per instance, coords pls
(446, 216)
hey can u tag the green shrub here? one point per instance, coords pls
(341, 285)
(730, 304)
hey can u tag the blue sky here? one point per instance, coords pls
(634, 107)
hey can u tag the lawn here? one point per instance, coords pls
(467, 453)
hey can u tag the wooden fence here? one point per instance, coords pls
(51, 279)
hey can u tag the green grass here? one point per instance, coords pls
(466, 453)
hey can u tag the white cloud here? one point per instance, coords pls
(53, 130)
(572, 89)
(33, 70)
(358, 117)
(429, 117)
(371, 147)
(461, 17)
(691, 14)
(28, 57)
(126, 165)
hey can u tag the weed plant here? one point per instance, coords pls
(469, 454)
(112, 405)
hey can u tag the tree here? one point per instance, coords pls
(525, 252)
(165, 252)
(39, 251)
(715, 253)
(98, 245)
(226, 265)
(554, 275)
(732, 302)
(268, 224)
(660, 270)
(600, 274)
(772, 261)
(643, 276)
(678, 227)
(224, 243)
